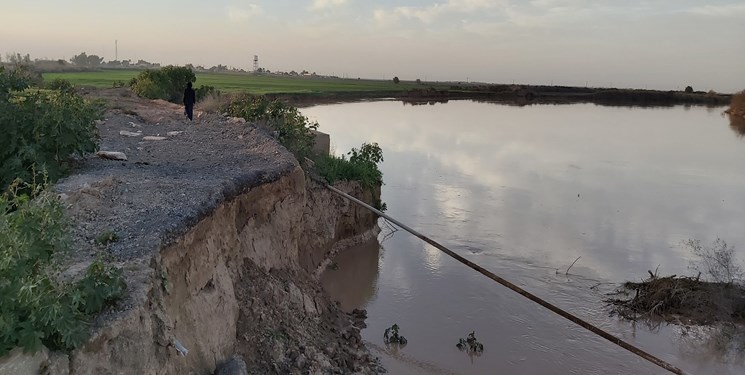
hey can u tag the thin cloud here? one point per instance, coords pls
(724, 10)
(324, 4)
(432, 13)
(237, 14)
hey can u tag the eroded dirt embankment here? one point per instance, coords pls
(219, 234)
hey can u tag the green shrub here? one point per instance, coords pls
(60, 84)
(205, 91)
(294, 130)
(362, 166)
(42, 129)
(35, 308)
(166, 83)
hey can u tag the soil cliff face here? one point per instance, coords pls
(220, 234)
(201, 291)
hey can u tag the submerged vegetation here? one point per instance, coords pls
(470, 345)
(715, 295)
(392, 337)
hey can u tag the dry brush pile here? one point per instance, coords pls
(686, 300)
(718, 297)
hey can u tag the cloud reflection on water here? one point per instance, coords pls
(647, 178)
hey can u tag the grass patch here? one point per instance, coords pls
(241, 82)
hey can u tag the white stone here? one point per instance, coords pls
(113, 155)
(153, 138)
(129, 134)
(236, 120)
(170, 134)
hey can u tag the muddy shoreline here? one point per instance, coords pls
(518, 95)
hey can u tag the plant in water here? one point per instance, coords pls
(391, 336)
(470, 345)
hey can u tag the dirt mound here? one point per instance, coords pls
(680, 300)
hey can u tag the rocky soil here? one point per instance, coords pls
(176, 174)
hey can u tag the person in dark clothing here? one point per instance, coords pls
(190, 97)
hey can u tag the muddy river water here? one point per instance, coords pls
(524, 191)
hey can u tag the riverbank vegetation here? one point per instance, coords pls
(737, 105)
(314, 89)
(245, 83)
(295, 132)
(42, 129)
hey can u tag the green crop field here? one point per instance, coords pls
(254, 84)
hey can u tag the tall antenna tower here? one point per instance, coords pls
(116, 50)
(256, 63)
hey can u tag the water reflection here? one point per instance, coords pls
(352, 279)
(525, 191)
(621, 187)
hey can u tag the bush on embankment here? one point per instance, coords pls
(42, 129)
(295, 132)
(168, 84)
(361, 166)
(35, 308)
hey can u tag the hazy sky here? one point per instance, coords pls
(664, 44)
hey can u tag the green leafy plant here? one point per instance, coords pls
(294, 131)
(362, 165)
(391, 336)
(42, 129)
(107, 237)
(60, 84)
(35, 307)
(118, 83)
(205, 91)
(166, 83)
(470, 345)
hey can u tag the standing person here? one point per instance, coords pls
(190, 97)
